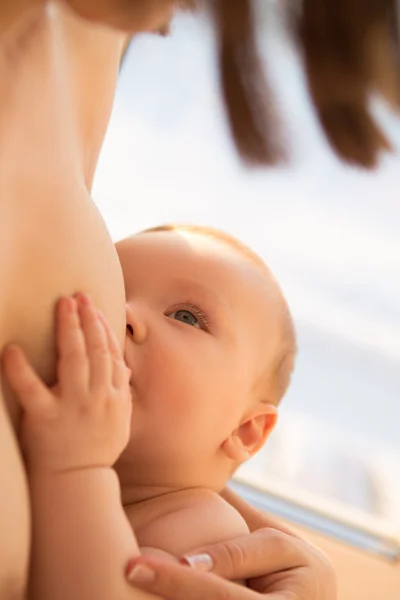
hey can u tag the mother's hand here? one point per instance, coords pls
(276, 563)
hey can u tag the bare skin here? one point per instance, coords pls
(57, 83)
(55, 101)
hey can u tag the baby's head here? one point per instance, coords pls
(211, 346)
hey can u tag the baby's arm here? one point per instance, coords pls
(203, 518)
(71, 435)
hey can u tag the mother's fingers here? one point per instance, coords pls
(264, 552)
(274, 563)
(176, 582)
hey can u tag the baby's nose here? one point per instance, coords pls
(135, 325)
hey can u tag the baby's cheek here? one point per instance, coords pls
(184, 383)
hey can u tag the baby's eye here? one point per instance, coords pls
(185, 316)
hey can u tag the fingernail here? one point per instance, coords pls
(200, 562)
(141, 574)
(83, 299)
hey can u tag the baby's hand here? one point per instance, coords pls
(84, 420)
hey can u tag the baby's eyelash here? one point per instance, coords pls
(197, 311)
(200, 314)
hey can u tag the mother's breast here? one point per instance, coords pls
(54, 104)
(60, 245)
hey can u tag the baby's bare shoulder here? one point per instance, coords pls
(192, 519)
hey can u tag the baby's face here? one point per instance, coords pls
(202, 324)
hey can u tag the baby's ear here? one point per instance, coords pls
(251, 434)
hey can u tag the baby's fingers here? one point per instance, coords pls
(73, 370)
(96, 345)
(34, 396)
(120, 372)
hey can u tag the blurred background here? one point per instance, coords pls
(330, 234)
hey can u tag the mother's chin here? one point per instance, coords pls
(132, 16)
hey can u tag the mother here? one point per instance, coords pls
(57, 81)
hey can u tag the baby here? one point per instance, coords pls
(210, 348)
(210, 344)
